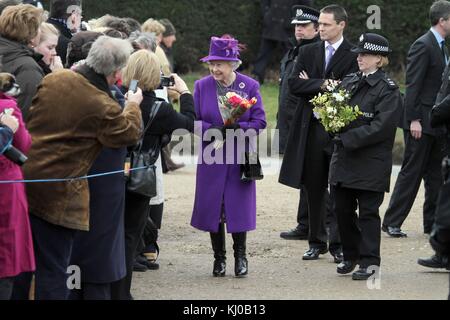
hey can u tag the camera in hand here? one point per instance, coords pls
(15, 155)
(167, 81)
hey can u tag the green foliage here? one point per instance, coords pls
(402, 21)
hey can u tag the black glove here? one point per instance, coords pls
(233, 126)
(219, 137)
(337, 141)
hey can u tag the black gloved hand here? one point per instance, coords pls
(337, 141)
(233, 126)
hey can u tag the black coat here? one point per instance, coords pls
(104, 262)
(311, 58)
(364, 160)
(20, 60)
(167, 120)
(425, 65)
(440, 113)
(287, 102)
(277, 18)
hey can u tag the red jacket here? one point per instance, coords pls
(16, 244)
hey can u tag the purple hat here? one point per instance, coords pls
(222, 49)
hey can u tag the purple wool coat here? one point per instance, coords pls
(219, 184)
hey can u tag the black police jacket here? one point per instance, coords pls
(363, 159)
(285, 98)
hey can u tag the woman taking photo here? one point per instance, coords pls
(144, 66)
(360, 170)
(221, 197)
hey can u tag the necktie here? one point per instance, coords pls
(444, 51)
(329, 55)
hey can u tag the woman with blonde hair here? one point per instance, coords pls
(144, 66)
(19, 33)
(47, 48)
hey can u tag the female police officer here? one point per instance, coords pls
(361, 164)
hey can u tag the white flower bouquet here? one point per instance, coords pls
(332, 109)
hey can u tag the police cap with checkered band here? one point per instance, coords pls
(304, 15)
(373, 43)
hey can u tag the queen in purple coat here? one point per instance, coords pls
(221, 197)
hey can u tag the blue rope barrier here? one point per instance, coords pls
(72, 179)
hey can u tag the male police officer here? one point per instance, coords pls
(306, 21)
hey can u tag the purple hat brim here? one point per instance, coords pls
(217, 58)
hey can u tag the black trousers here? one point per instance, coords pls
(92, 291)
(6, 288)
(315, 182)
(302, 212)
(149, 239)
(360, 234)
(136, 212)
(53, 249)
(265, 54)
(422, 160)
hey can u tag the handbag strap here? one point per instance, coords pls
(153, 113)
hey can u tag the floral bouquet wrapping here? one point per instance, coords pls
(233, 107)
(332, 109)
(236, 105)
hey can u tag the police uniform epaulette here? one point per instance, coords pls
(391, 83)
(351, 75)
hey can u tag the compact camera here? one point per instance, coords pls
(167, 81)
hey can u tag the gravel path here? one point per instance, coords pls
(276, 270)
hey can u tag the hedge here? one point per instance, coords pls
(402, 21)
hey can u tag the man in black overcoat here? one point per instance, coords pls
(424, 145)
(307, 158)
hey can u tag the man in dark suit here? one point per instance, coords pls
(424, 147)
(276, 30)
(307, 158)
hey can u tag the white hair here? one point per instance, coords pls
(109, 55)
(235, 64)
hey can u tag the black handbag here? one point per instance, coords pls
(143, 181)
(251, 169)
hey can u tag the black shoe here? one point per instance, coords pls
(436, 261)
(313, 253)
(150, 264)
(394, 232)
(138, 267)
(346, 267)
(240, 267)
(219, 268)
(338, 256)
(362, 274)
(295, 234)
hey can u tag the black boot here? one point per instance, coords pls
(240, 260)
(218, 245)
